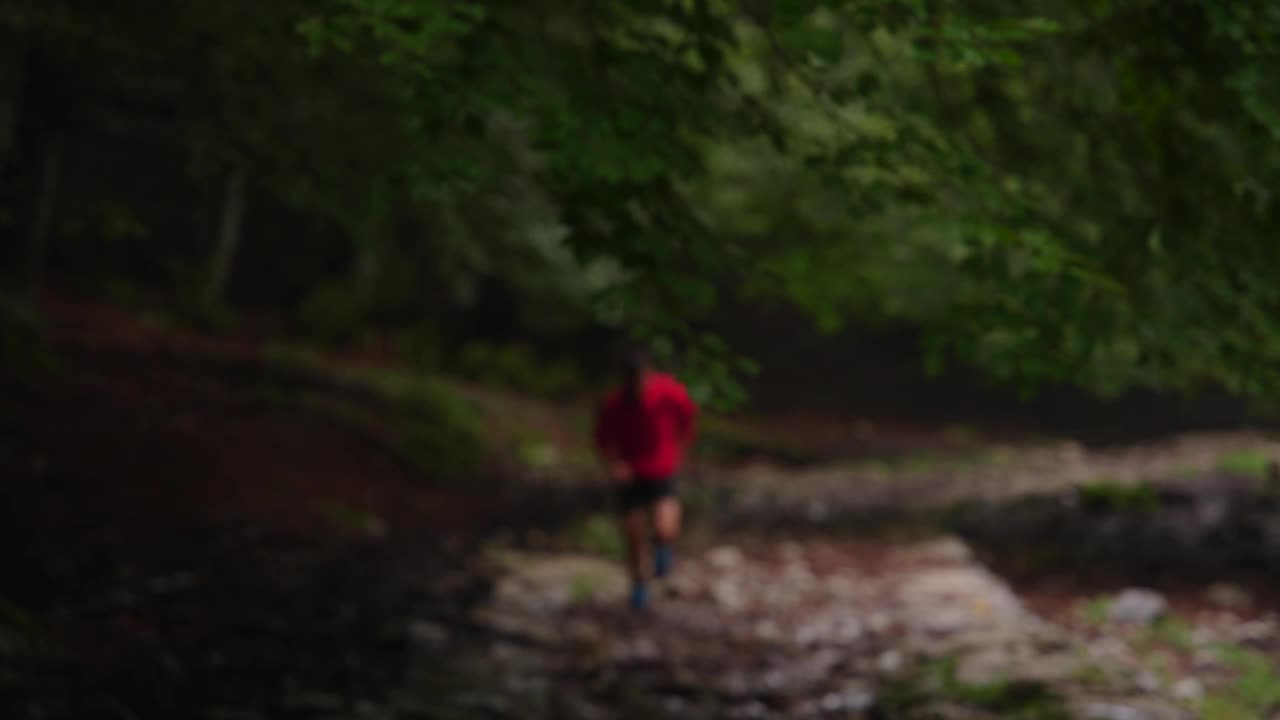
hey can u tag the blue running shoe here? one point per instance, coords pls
(640, 597)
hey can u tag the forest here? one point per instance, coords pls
(305, 308)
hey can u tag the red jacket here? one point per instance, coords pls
(650, 436)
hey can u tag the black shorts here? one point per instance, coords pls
(643, 492)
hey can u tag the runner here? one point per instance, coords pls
(642, 432)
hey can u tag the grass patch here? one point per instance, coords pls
(1255, 689)
(22, 349)
(1110, 495)
(583, 589)
(437, 446)
(1096, 610)
(598, 534)
(1249, 462)
(19, 631)
(351, 520)
(915, 696)
(421, 419)
(1169, 631)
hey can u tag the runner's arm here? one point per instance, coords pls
(688, 414)
(605, 437)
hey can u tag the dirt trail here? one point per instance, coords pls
(180, 546)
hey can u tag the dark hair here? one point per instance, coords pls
(634, 363)
(637, 359)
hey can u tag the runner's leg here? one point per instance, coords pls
(635, 528)
(666, 526)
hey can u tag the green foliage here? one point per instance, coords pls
(599, 534)
(20, 634)
(1170, 631)
(351, 520)
(1096, 611)
(1049, 190)
(1252, 463)
(22, 348)
(432, 427)
(1254, 692)
(1109, 495)
(515, 366)
(935, 683)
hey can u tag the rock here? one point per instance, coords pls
(986, 667)
(1254, 631)
(545, 584)
(729, 594)
(841, 587)
(1188, 690)
(943, 551)
(1230, 597)
(1137, 606)
(798, 575)
(890, 662)
(852, 699)
(751, 711)
(834, 627)
(584, 633)
(791, 551)
(879, 622)
(768, 631)
(725, 558)
(1135, 709)
(1205, 659)
(1148, 682)
(685, 583)
(1109, 711)
(427, 634)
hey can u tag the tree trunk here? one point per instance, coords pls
(45, 205)
(11, 69)
(228, 238)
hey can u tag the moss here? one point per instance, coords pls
(598, 534)
(1250, 462)
(1109, 495)
(1095, 610)
(1257, 681)
(935, 683)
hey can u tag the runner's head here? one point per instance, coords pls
(636, 364)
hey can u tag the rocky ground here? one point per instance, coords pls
(177, 546)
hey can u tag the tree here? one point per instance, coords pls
(1048, 190)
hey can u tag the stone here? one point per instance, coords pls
(725, 558)
(1230, 597)
(543, 584)
(879, 622)
(890, 662)
(427, 634)
(1137, 606)
(1148, 682)
(1109, 711)
(768, 630)
(943, 551)
(841, 587)
(1188, 690)
(986, 667)
(1254, 631)
(729, 595)
(1131, 709)
(791, 550)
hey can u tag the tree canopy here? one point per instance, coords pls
(1049, 190)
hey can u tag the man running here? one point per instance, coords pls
(642, 432)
